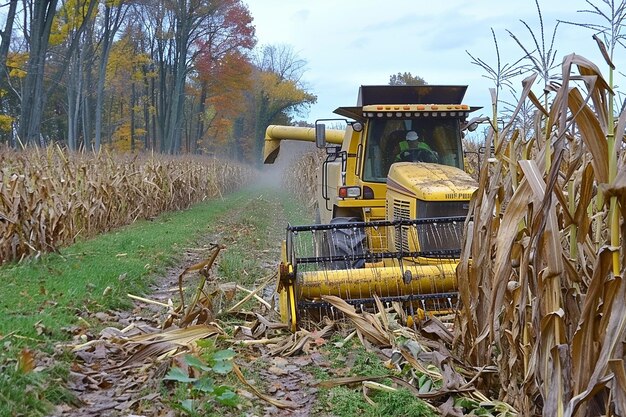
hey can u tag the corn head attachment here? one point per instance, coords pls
(412, 262)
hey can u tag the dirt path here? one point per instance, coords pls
(103, 384)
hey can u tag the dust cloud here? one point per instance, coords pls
(274, 175)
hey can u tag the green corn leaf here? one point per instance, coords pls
(177, 374)
(223, 355)
(222, 367)
(196, 363)
(204, 384)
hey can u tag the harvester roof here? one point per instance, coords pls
(410, 94)
(403, 94)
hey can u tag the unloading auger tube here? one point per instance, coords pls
(334, 259)
(274, 134)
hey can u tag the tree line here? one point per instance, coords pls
(170, 76)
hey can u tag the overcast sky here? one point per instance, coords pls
(347, 43)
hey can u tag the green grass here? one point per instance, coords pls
(344, 402)
(20, 390)
(255, 238)
(32, 393)
(362, 362)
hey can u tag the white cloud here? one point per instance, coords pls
(349, 43)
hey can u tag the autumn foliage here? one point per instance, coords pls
(171, 77)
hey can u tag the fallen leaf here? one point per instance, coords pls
(319, 341)
(302, 361)
(40, 328)
(277, 371)
(280, 362)
(26, 361)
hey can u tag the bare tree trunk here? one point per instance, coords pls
(199, 131)
(87, 106)
(5, 37)
(133, 99)
(162, 102)
(112, 21)
(155, 138)
(146, 112)
(176, 112)
(74, 94)
(33, 91)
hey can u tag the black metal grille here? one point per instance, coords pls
(444, 235)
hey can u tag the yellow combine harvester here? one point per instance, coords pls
(393, 197)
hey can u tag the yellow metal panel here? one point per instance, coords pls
(361, 203)
(431, 182)
(378, 213)
(382, 281)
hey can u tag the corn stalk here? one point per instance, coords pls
(550, 316)
(50, 197)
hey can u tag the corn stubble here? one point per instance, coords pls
(48, 197)
(541, 276)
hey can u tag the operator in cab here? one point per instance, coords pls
(414, 149)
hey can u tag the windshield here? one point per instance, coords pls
(384, 147)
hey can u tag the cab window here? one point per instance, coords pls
(384, 137)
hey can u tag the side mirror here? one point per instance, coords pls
(472, 124)
(320, 135)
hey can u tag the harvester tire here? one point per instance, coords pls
(349, 243)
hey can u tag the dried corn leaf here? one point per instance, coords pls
(592, 134)
(277, 403)
(299, 341)
(181, 337)
(550, 232)
(367, 325)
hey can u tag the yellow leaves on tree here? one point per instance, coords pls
(278, 94)
(121, 138)
(124, 65)
(68, 19)
(124, 68)
(6, 123)
(16, 63)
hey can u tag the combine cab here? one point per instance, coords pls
(391, 213)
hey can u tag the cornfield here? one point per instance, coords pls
(49, 197)
(540, 281)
